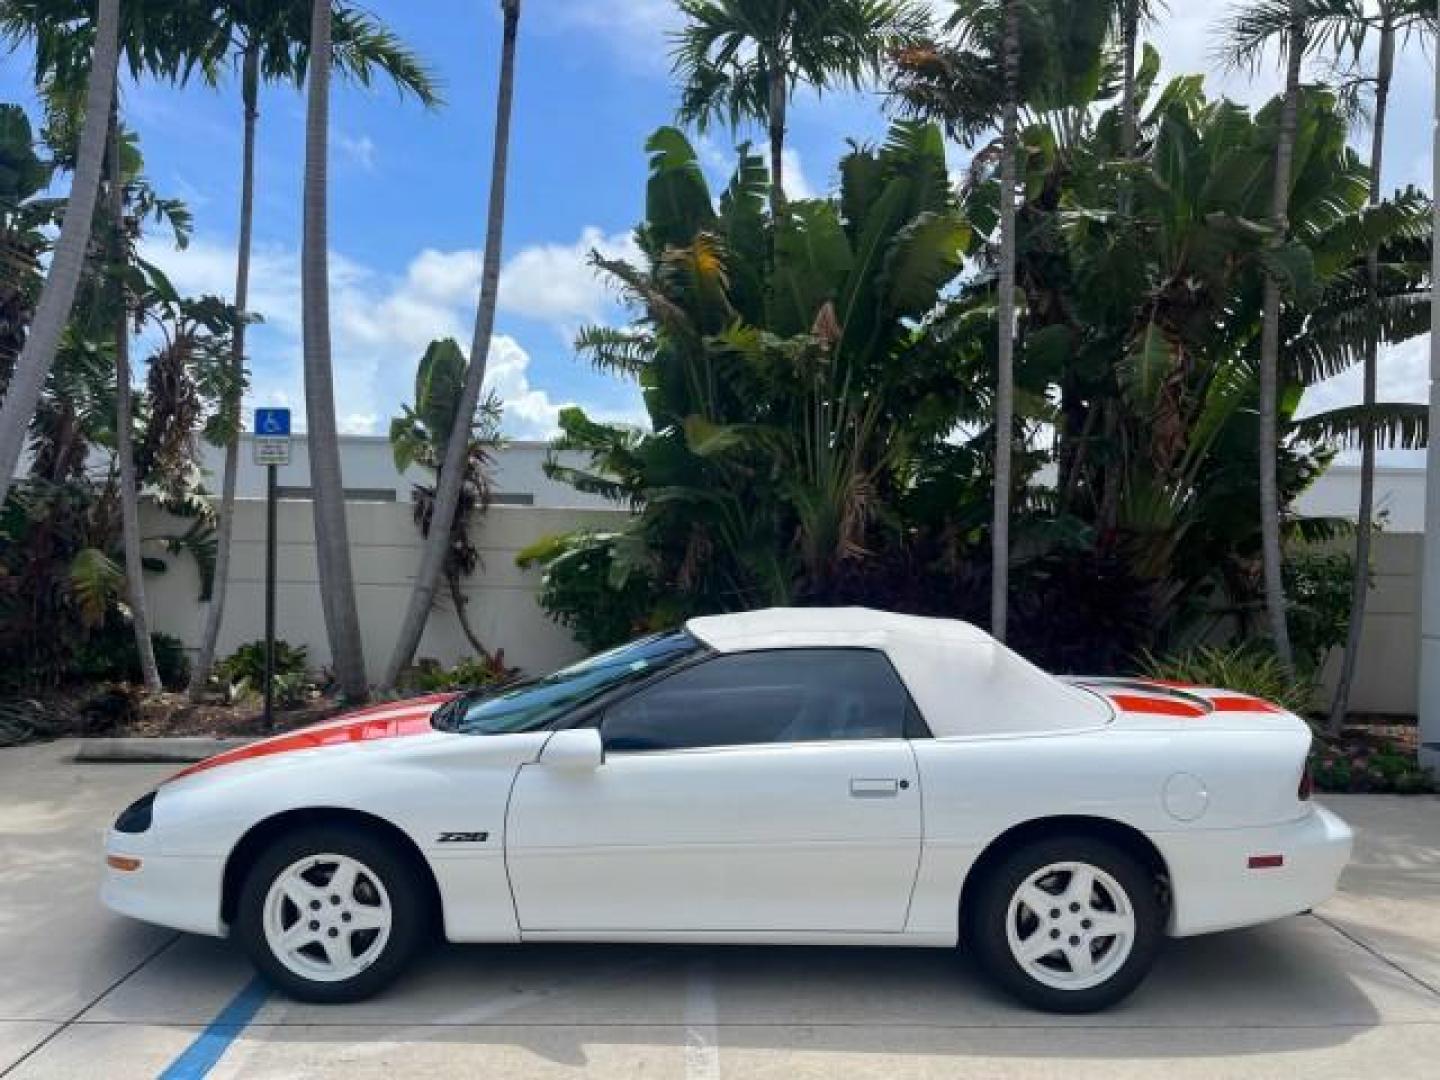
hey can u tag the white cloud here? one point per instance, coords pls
(555, 283)
(636, 30)
(359, 149)
(1403, 375)
(718, 163)
(797, 184)
(380, 325)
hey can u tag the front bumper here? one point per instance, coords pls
(168, 890)
(1213, 887)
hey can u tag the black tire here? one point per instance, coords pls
(408, 900)
(986, 931)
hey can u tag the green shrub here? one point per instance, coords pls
(1245, 667)
(112, 709)
(429, 677)
(1358, 764)
(243, 672)
(110, 655)
(1317, 592)
(598, 596)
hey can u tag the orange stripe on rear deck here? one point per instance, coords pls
(1243, 703)
(1155, 706)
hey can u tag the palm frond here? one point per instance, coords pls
(1401, 425)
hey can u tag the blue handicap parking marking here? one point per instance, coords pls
(210, 1045)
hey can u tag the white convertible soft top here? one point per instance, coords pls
(963, 680)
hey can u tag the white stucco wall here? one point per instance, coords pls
(385, 553)
(369, 466)
(1399, 497)
(504, 611)
(1387, 678)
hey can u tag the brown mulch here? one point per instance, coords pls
(1402, 733)
(108, 711)
(174, 714)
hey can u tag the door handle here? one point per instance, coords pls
(876, 789)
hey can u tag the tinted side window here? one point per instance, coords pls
(788, 695)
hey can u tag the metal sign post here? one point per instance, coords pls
(272, 449)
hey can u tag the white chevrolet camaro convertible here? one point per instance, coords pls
(821, 776)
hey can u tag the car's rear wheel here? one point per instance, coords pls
(1067, 924)
(330, 914)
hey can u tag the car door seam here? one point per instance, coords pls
(505, 851)
(920, 855)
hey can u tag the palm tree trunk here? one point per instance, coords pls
(332, 539)
(225, 522)
(452, 471)
(777, 119)
(56, 298)
(1365, 522)
(1004, 379)
(1273, 557)
(1129, 29)
(124, 432)
(460, 600)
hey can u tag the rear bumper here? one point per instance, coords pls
(168, 890)
(1213, 886)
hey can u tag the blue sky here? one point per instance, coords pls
(408, 191)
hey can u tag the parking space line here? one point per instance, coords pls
(68, 1024)
(702, 1036)
(1416, 979)
(202, 1055)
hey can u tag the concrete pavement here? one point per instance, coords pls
(1352, 990)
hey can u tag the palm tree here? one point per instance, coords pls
(420, 435)
(1005, 375)
(1292, 47)
(743, 59)
(1128, 15)
(124, 415)
(969, 83)
(1360, 589)
(1341, 27)
(450, 481)
(53, 311)
(332, 539)
(272, 37)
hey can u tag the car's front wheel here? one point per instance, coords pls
(1067, 924)
(330, 914)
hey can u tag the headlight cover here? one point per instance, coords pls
(135, 818)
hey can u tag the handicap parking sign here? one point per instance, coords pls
(272, 437)
(272, 422)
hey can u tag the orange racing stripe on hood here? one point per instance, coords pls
(392, 720)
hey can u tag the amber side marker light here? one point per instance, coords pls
(124, 863)
(1266, 862)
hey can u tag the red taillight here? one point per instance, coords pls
(1307, 784)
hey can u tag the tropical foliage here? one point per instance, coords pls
(63, 599)
(1059, 394)
(792, 398)
(420, 435)
(819, 385)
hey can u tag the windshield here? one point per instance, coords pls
(534, 705)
